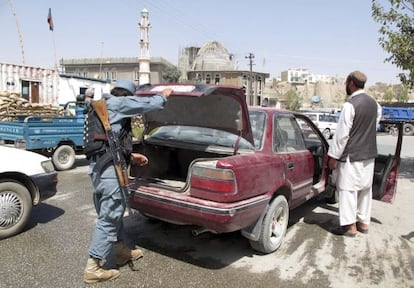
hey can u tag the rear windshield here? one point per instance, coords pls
(209, 136)
(198, 136)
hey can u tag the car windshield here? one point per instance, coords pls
(211, 137)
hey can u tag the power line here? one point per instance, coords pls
(168, 10)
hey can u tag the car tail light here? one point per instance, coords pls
(211, 179)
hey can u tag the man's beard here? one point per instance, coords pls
(348, 91)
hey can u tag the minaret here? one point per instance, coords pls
(144, 55)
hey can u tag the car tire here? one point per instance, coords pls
(15, 207)
(63, 157)
(326, 133)
(408, 129)
(274, 226)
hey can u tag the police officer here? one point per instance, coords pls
(108, 198)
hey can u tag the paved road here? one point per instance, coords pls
(52, 250)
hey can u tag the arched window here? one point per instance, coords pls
(217, 79)
(198, 78)
(208, 78)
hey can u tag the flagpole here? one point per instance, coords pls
(54, 51)
(51, 28)
(18, 31)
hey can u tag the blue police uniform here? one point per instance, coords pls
(108, 198)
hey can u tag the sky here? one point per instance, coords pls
(328, 37)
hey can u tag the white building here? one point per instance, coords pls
(302, 76)
(46, 86)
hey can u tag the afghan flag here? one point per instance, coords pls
(50, 20)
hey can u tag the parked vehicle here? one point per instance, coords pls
(59, 137)
(324, 121)
(26, 179)
(400, 112)
(223, 167)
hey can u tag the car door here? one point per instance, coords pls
(387, 166)
(298, 161)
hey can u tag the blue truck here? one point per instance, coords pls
(58, 137)
(403, 112)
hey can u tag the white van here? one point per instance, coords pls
(326, 122)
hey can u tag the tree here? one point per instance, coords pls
(397, 35)
(292, 100)
(171, 74)
(402, 95)
(388, 96)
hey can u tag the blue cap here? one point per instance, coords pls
(127, 85)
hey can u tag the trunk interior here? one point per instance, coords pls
(168, 166)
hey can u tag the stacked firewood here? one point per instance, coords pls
(11, 104)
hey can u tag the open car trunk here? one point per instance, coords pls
(168, 166)
(197, 122)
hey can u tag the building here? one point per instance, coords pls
(111, 69)
(300, 76)
(35, 84)
(213, 64)
(295, 76)
(46, 86)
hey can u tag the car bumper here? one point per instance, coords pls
(46, 184)
(181, 208)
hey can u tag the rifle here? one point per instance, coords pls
(121, 167)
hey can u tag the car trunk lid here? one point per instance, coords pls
(217, 107)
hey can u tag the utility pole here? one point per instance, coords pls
(250, 96)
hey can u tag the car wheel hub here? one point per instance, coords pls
(64, 158)
(277, 224)
(11, 209)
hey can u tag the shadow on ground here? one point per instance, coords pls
(407, 168)
(42, 214)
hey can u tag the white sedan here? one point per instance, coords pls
(26, 179)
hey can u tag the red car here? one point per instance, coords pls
(222, 166)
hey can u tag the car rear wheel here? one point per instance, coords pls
(274, 226)
(64, 157)
(15, 208)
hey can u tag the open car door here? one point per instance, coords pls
(387, 166)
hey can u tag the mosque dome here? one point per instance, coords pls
(213, 56)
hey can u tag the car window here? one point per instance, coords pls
(257, 122)
(323, 118)
(287, 135)
(332, 119)
(311, 116)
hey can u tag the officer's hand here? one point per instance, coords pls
(332, 163)
(139, 159)
(167, 92)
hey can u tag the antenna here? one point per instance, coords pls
(18, 30)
